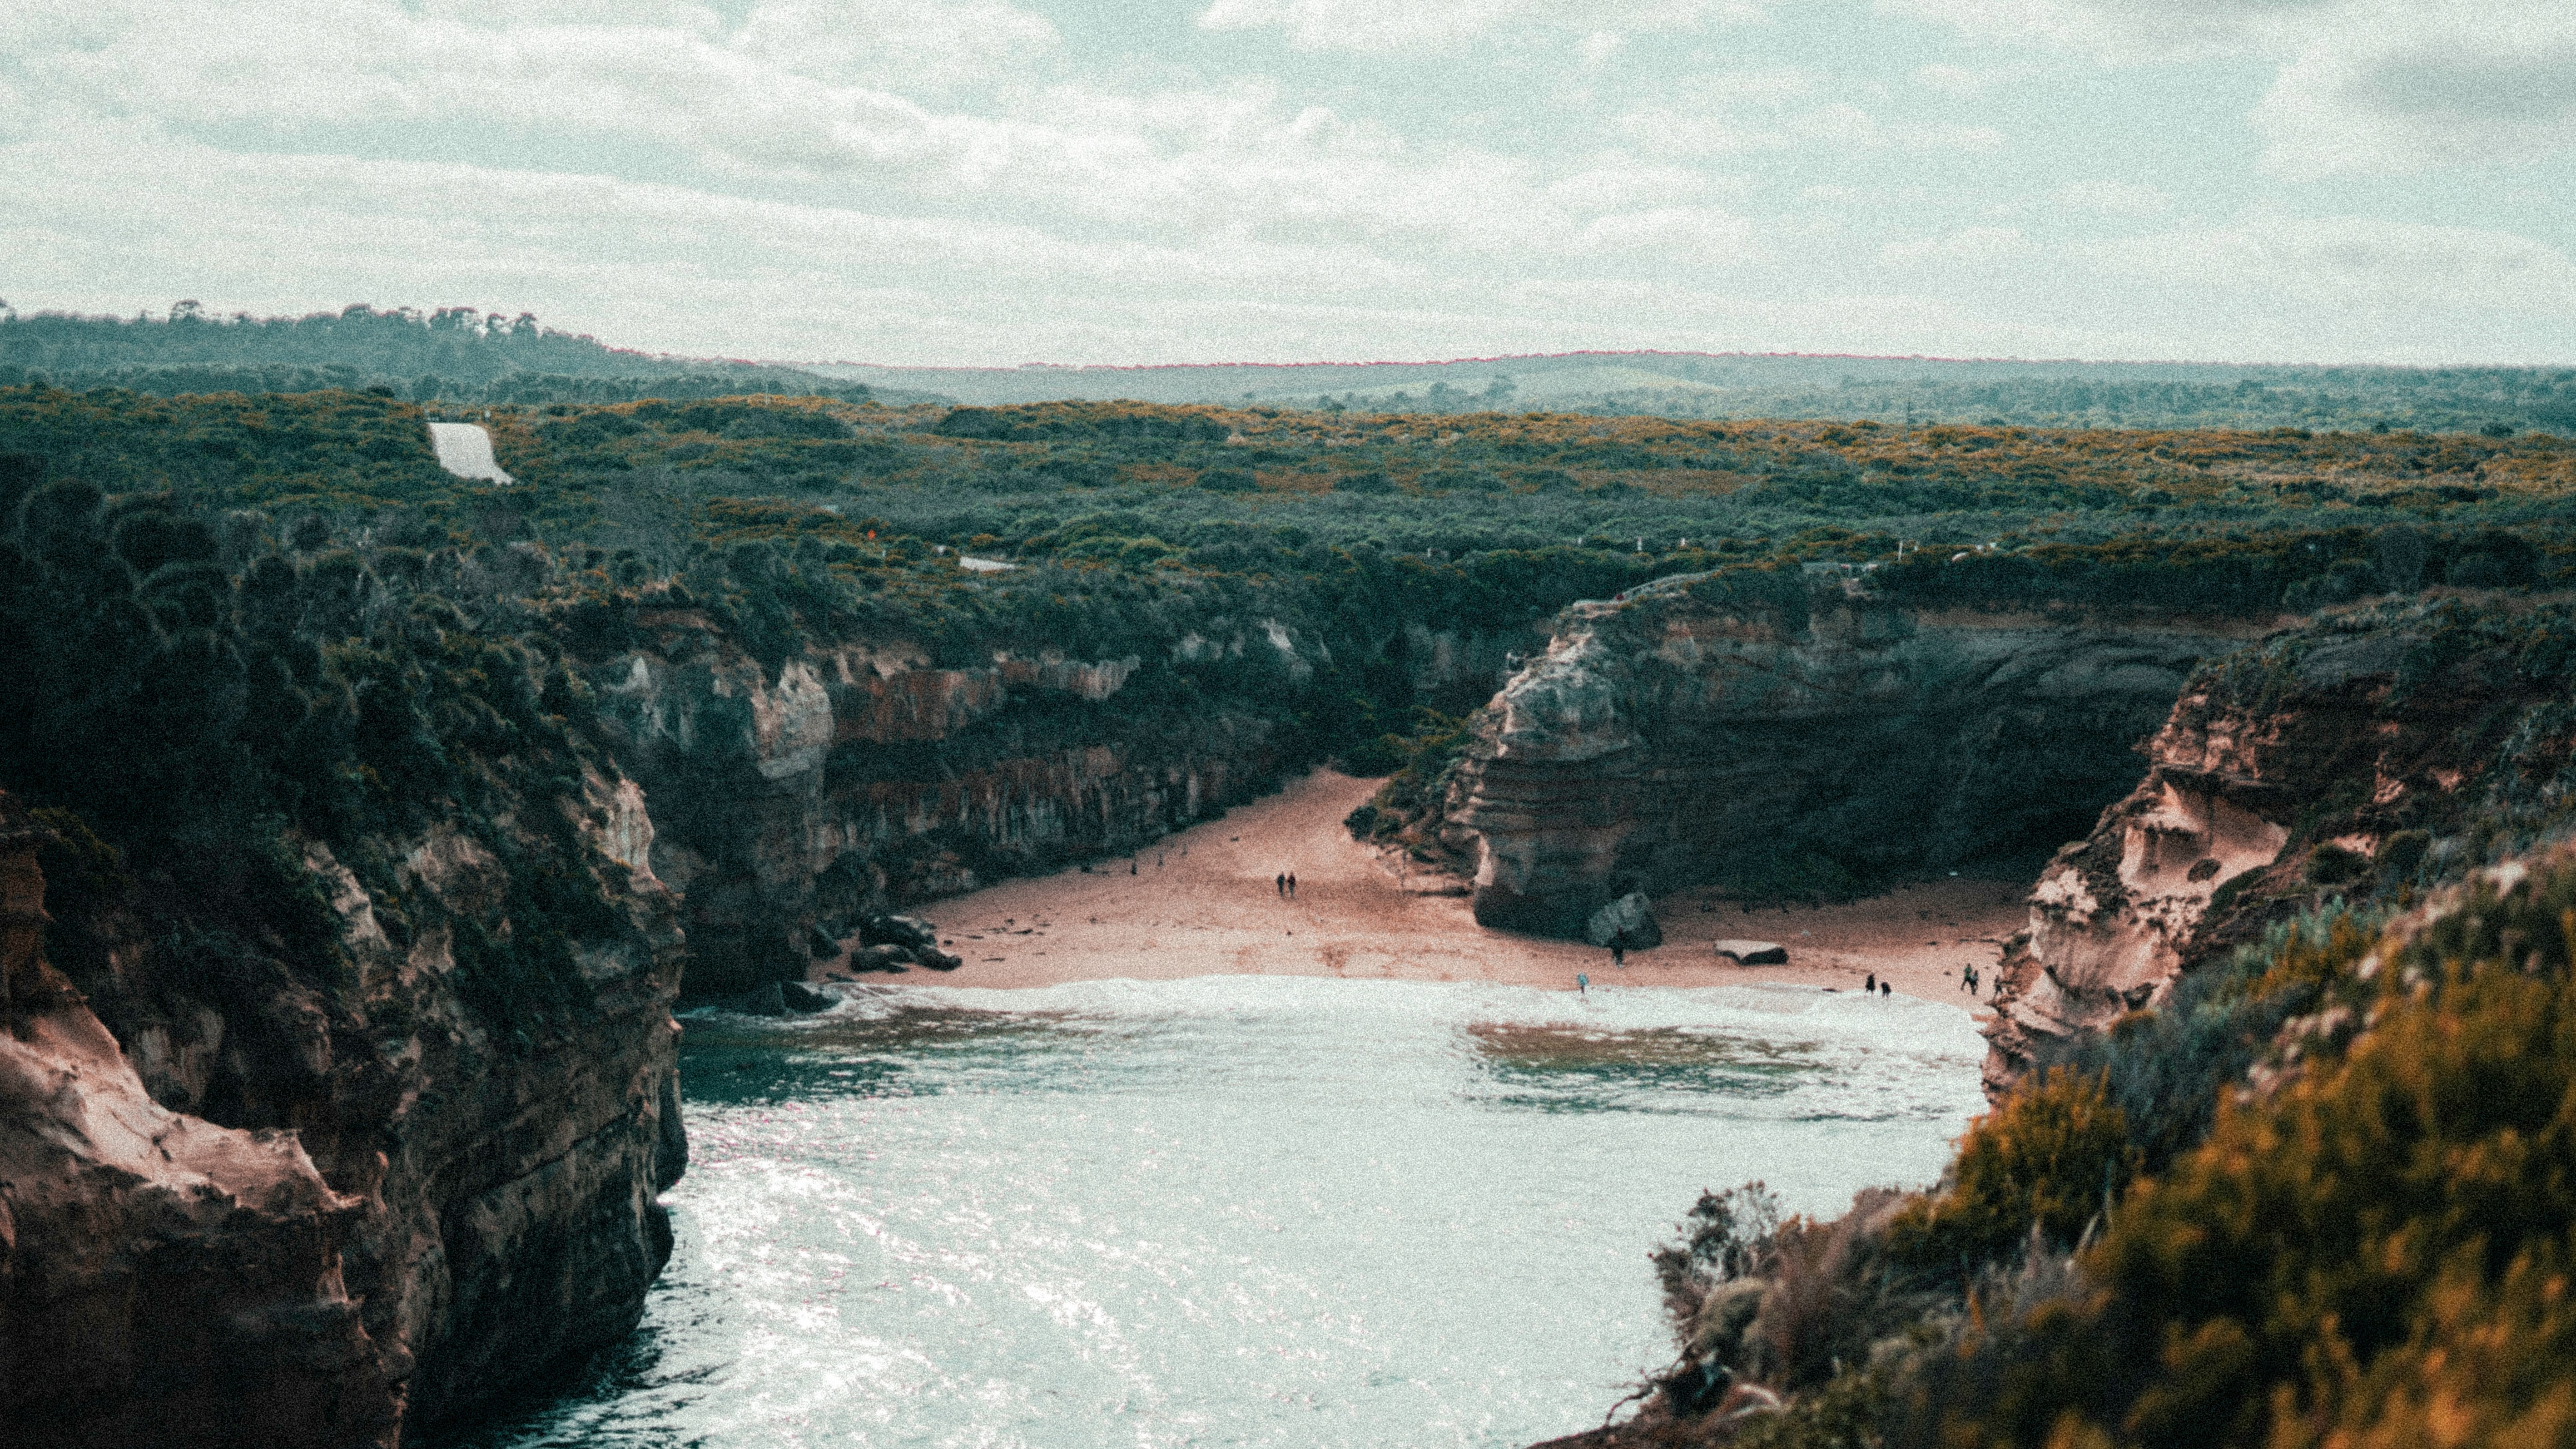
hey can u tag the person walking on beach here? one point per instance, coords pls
(1292, 885)
(1279, 883)
(1619, 950)
(1886, 989)
(1582, 984)
(1869, 984)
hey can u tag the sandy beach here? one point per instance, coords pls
(1203, 902)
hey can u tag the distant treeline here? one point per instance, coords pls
(2503, 400)
(453, 354)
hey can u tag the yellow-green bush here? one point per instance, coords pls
(2377, 1253)
(2051, 1156)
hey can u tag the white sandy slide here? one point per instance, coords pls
(465, 450)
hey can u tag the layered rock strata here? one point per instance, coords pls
(1822, 736)
(795, 801)
(163, 1280)
(2357, 755)
(325, 1199)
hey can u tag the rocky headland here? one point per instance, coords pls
(1811, 738)
(324, 1197)
(2384, 748)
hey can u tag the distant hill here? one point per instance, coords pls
(460, 355)
(1889, 389)
(452, 354)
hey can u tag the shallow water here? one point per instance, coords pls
(1229, 1210)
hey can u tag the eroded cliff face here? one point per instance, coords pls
(2355, 754)
(1671, 739)
(318, 1199)
(856, 777)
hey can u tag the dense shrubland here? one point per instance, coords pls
(211, 704)
(1886, 389)
(2345, 1221)
(796, 519)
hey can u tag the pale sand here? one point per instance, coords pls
(1203, 903)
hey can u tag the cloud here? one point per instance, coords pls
(2451, 87)
(2360, 85)
(1970, 246)
(1389, 26)
(2119, 29)
(2105, 197)
(1692, 233)
(2345, 262)
(1781, 108)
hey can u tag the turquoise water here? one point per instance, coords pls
(1228, 1211)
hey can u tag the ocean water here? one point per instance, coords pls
(1228, 1211)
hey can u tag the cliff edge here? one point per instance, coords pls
(1796, 734)
(2383, 750)
(328, 1201)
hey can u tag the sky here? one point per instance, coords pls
(995, 182)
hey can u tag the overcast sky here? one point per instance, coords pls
(990, 182)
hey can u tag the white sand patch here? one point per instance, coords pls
(465, 450)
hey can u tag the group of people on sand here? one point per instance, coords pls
(1969, 980)
(1872, 986)
(1286, 881)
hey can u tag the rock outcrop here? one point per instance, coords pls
(2372, 751)
(1628, 922)
(795, 801)
(1804, 742)
(163, 1280)
(326, 1195)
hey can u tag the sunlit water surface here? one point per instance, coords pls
(1228, 1211)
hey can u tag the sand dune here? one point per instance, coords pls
(1203, 902)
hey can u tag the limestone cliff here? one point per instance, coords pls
(856, 776)
(1815, 736)
(2365, 754)
(320, 1196)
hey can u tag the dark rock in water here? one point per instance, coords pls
(1627, 921)
(880, 958)
(937, 960)
(768, 1000)
(800, 997)
(1754, 953)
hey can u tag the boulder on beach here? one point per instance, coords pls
(911, 932)
(879, 958)
(1754, 953)
(1629, 919)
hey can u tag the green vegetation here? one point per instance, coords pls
(1884, 389)
(2341, 1216)
(1376, 544)
(2050, 1157)
(204, 707)
(452, 353)
(2373, 1251)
